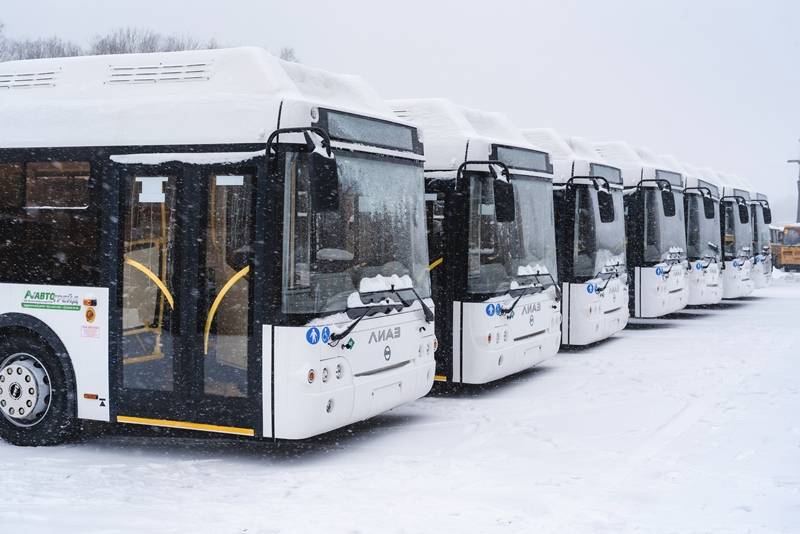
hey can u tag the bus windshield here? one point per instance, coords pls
(702, 231)
(791, 237)
(378, 229)
(664, 230)
(599, 231)
(761, 230)
(738, 235)
(500, 253)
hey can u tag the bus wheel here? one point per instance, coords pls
(35, 407)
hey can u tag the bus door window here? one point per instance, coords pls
(434, 212)
(227, 266)
(148, 303)
(585, 247)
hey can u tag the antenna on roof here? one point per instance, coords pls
(798, 183)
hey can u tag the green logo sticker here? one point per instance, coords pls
(47, 300)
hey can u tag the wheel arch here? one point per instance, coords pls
(27, 325)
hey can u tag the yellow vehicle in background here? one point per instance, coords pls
(786, 247)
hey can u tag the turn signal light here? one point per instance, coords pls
(311, 376)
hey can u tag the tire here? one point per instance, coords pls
(28, 361)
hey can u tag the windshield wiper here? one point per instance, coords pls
(552, 281)
(538, 287)
(425, 309)
(336, 337)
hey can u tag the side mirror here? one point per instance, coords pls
(324, 175)
(708, 207)
(744, 214)
(767, 215)
(605, 202)
(504, 204)
(668, 200)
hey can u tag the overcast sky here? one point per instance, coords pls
(714, 83)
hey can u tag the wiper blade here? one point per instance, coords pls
(552, 281)
(429, 316)
(336, 337)
(538, 287)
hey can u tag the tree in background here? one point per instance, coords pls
(137, 40)
(118, 41)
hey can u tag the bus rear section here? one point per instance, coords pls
(787, 248)
(491, 240)
(655, 230)
(246, 256)
(590, 238)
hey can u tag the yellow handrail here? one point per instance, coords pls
(217, 301)
(435, 264)
(155, 279)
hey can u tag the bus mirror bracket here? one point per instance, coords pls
(322, 167)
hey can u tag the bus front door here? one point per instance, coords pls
(186, 353)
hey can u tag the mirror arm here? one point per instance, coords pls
(662, 184)
(302, 129)
(462, 168)
(595, 180)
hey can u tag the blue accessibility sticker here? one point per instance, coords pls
(735, 263)
(498, 309)
(659, 271)
(699, 266)
(490, 310)
(590, 288)
(326, 334)
(312, 335)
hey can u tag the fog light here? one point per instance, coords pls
(324, 374)
(489, 338)
(329, 406)
(435, 343)
(311, 376)
(500, 360)
(338, 371)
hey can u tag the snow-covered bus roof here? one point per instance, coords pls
(453, 134)
(702, 177)
(219, 96)
(571, 156)
(732, 185)
(637, 164)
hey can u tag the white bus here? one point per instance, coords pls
(489, 198)
(655, 229)
(761, 215)
(208, 240)
(703, 245)
(590, 238)
(737, 238)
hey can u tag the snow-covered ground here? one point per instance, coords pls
(688, 424)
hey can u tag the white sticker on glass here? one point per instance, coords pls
(230, 180)
(152, 189)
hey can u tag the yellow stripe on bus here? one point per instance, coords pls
(184, 425)
(155, 279)
(217, 301)
(435, 264)
(440, 378)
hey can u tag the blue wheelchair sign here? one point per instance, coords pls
(326, 334)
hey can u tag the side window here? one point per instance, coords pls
(12, 187)
(434, 212)
(53, 232)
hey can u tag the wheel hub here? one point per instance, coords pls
(24, 390)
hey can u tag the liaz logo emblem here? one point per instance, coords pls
(532, 307)
(378, 336)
